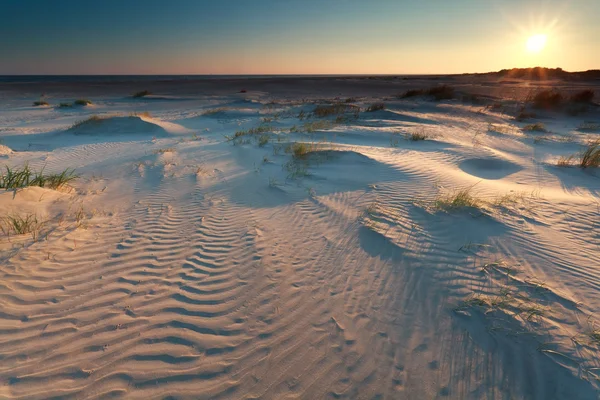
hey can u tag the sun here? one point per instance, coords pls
(536, 43)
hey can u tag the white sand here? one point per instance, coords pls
(181, 265)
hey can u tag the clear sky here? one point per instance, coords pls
(294, 36)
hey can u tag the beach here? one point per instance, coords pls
(299, 238)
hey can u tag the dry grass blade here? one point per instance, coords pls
(590, 157)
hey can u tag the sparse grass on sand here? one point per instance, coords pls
(259, 130)
(443, 92)
(588, 126)
(15, 224)
(322, 111)
(65, 105)
(589, 157)
(82, 102)
(40, 103)
(143, 93)
(412, 93)
(537, 127)
(524, 115)
(165, 150)
(94, 119)
(461, 198)
(584, 96)
(375, 107)
(417, 135)
(546, 99)
(17, 178)
(263, 140)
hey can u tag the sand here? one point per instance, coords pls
(181, 264)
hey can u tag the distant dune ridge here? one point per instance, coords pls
(301, 238)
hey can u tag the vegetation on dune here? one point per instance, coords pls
(584, 96)
(141, 94)
(322, 111)
(589, 157)
(82, 102)
(20, 224)
(412, 93)
(524, 115)
(458, 199)
(443, 92)
(65, 105)
(546, 99)
(17, 178)
(376, 107)
(94, 119)
(41, 103)
(418, 135)
(537, 127)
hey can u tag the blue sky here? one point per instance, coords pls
(293, 36)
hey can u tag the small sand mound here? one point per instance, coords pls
(489, 168)
(112, 125)
(5, 150)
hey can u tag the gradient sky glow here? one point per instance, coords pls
(294, 36)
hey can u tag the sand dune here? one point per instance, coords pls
(185, 264)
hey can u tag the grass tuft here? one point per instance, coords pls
(376, 107)
(94, 119)
(20, 225)
(547, 99)
(456, 200)
(41, 103)
(15, 178)
(590, 157)
(443, 92)
(323, 111)
(412, 93)
(143, 93)
(585, 96)
(165, 150)
(65, 105)
(417, 136)
(537, 127)
(82, 102)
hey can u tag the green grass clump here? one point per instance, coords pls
(55, 181)
(41, 103)
(375, 107)
(82, 102)
(143, 93)
(17, 178)
(65, 105)
(537, 127)
(458, 199)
